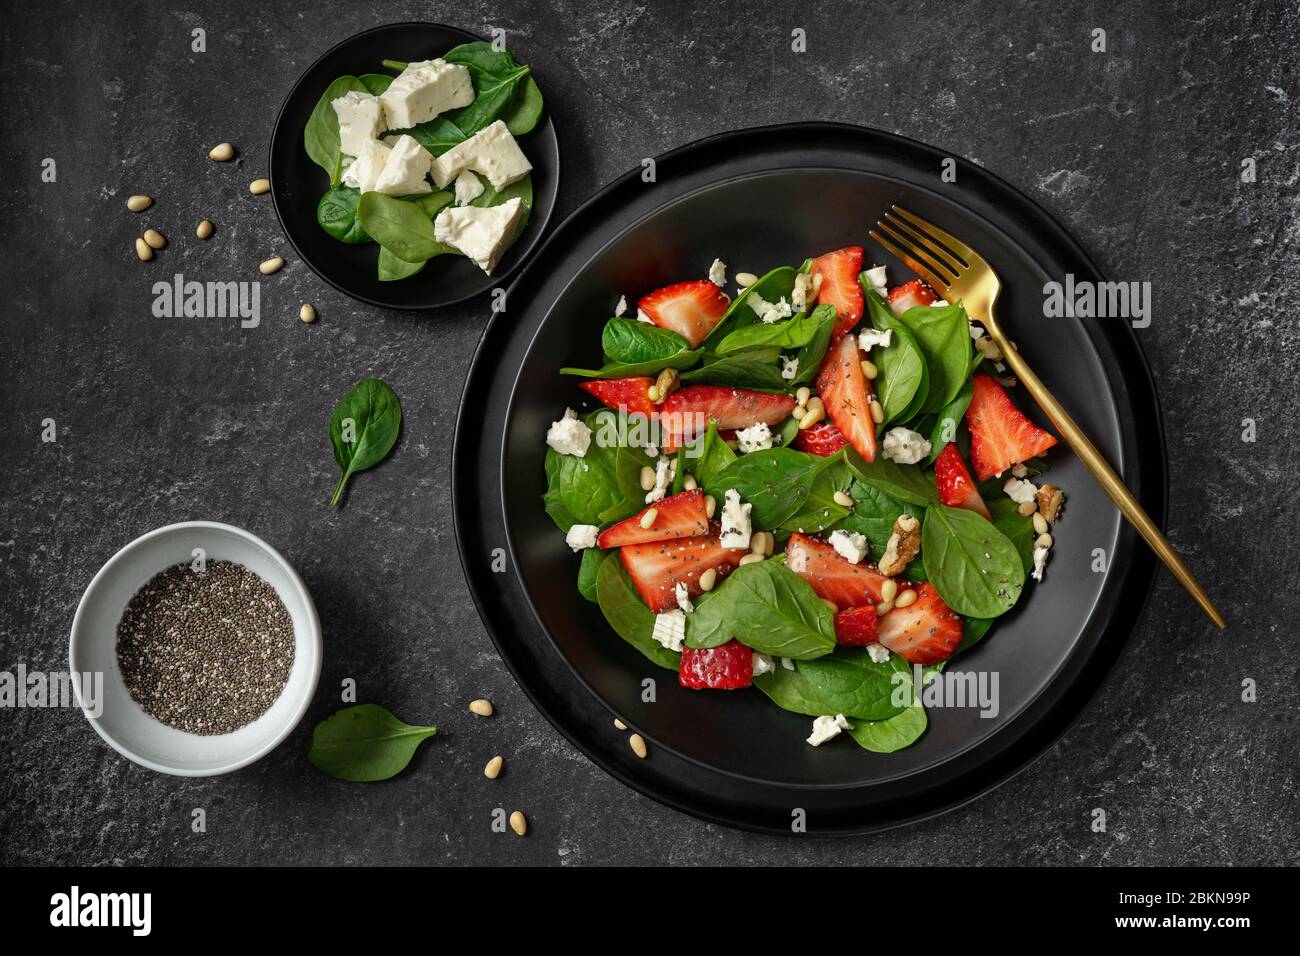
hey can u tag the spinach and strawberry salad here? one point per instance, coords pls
(423, 159)
(819, 488)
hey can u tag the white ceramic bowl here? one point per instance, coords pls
(93, 648)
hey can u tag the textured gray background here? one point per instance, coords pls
(1137, 150)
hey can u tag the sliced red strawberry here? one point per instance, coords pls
(657, 568)
(632, 395)
(1000, 435)
(680, 516)
(956, 487)
(857, 627)
(691, 309)
(839, 271)
(909, 295)
(822, 439)
(728, 667)
(831, 576)
(845, 393)
(687, 411)
(924, 632)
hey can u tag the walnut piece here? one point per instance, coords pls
(1050, 500)
(904, 545)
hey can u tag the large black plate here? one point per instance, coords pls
(297, 183)
(759, 198)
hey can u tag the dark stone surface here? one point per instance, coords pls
(1137, 150)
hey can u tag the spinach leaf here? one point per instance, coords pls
(363, 429)
(588, 569)
(903, 381)
(904, 482)
(943, 333)
(973, 630)
(494, 94)
(893, 733)
(972, 565)
(321, 134)
(436, 135)
(376, 83)
(485, 63)
(523, 115)
(628, 616)
(337, 215)
(364, 743)
(753, 370)
(820, 510)
(708, 456)
(480, 57)
(786, 334)
(811, 355)
(588, 486)
(767, 607)
(1018, 529)
(873, 516)
(776, 482)
(391, 268)
(845, 682)
(401, 227)
(681, 360)
(631, 342)
(553, 499)
(773, 286)
(949, 420)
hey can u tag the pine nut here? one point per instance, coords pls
(648, 519)
(1040, 523)
(143, 251)
(1027, 508)
(653, 394)
(259, 186)
(888, 590)
(761, 543)
(751, 558)
(906, 598)
(745, 279)
(204, 229)
(481, 707)
(493, 768)
(1043, 541)
(815, 405)
(139, 203)
(708, 579)
(884, 607)
(155, 238)
(271, 265)
(519, 823)
(877, 412)
(869, 369)
(710, 505)
(842, 499)
(801, 397)
(221, 153)
(637, 743)
(647, 477)
(307, 313)
(810, 419)
(799, 412)
(619, 725)
(689, 483)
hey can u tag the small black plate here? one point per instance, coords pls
(297, 183)
(760, 198)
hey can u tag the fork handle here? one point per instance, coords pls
(1100, 469)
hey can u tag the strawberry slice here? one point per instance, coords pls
(691, 309)
(909, 295)
(1000, 435)
(631, 395)
(822, 439)
(956, 487)
(658, 567)
(924, 632)
(839, 271)
(831, 576)
(680, 516)
(857, 627)
(728, 667)
(845, 393)
(686, 412)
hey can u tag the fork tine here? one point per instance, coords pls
(906, 250)
(955, 245)
(937, 252)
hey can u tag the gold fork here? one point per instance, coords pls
(958, 273)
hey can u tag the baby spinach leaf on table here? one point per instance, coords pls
(1018, 529)
(628, 616)
(972, 565)
(811, 355)
(776, 482)
(754, 370)
(681, 360)
(363, 429)
(902, 382)
(588, 569)
(790, 333)
(775, 285)
(708, 456)
(376, 83)
(337, 214)
(846, 682)
(630, 342)
(364, 743)
(949, 420)
(973, 630)
(903, 482)
(321, 134)
(820, 510)
(896, 732)
(767, 607)
(943, 333)
(401, 227)
(588, 486)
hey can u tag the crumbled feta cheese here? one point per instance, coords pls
(736, 526)
(876, 276)
(642, 317)
(763, 664)
(1020, 490)
(468, 188)
(718, 273)
(670, 629)
(849, 545)
(904, 446)
(1040, 562)
(492, 151)
(582, 536)
(365, 169)
(769, 312)
(570, 435)
(361, 118)
(805, 291)
(989, 348)
(405, 169)
(827, 728)
(976, 331)
(787, 663)
(1019, 470)
(938, 303)
(621, 308)
(789, 367)
(878, 653)
(665, 471)
(683, 595)
(870, 338)
(482, 233)
(754, 438)
(424, 90)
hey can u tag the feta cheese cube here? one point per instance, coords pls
(492, 151)
(736, 526)
(787, 663)
(789, 367)
(870, 338)
(482, 233)
(468, 188)
(904, 446)
(424, 90)
(1040, 562)
(683, 595)
(670, 629)
(768, 312)
(1020, 490)
(570, 435)
(876, 276)
(878, 653)
(754, 438)
(849, 545)
(582, 536)
(365, 169)
(763, 664)
(405, 171)
(828, 728)
(361, 118)
(718, 272)
(665, 472)
(642, 317)
(621, 308)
